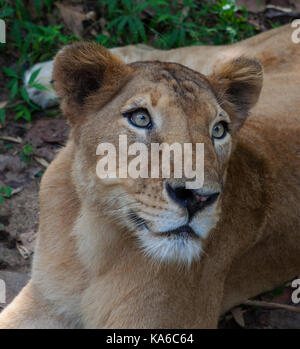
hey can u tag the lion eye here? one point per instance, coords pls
(140, 118)
(219, 130)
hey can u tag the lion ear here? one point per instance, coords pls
(237, 85)
(85, 76)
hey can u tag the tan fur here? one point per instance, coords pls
(90, 269)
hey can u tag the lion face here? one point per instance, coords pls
(147, 104)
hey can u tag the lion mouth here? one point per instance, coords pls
(184, 231)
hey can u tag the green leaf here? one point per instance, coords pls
(10, 72)
(141, 7)
(1, 199)
(28, 149)
(27, 115)
(37, 5)
(10, 83)
(24, 158)
(164, 17)
(122, 24)
(16, 32)
(23, 113)
(127, 4)
(6, 190)
(34, 76)
(39, 87)
(133, 29)
(2, 115)
(154, 3)
(24, 95)
(112, 5)
(19, 115)
(113, 23)
(7, 12)
(8, 146)
(140, 28)
(14, 90)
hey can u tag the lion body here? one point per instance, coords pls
(89, 272)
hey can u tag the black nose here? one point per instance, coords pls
(190, 198)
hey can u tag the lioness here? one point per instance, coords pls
(149, 253)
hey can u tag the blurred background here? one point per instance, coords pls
(30, 137)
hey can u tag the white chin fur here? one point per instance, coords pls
(170, 249)
(177, 249)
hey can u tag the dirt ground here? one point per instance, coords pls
(19, 214)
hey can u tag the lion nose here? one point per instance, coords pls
(191, 199)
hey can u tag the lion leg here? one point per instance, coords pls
(253, 273)
(28, 311)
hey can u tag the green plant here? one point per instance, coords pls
(177, 27)
(162, 23)
(124, 17)
(4, 192)
(24, 107)
(26, 153)
(174, 24)
(30, 43)
(2, 115)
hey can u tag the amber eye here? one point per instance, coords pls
(139, 118)
(219, 130)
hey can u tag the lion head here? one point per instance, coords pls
(154, 103)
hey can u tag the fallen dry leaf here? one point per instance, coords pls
(252, 5)
(23, 250)
(47, 131)
(46, 136)
(271, 305)
(3, 104)
(41, 161)
(26, 243)
(295, 4)
(91, 15)
(12, 139)
(16, 191)
(279, 8)
(238, 315)
(73, 17)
